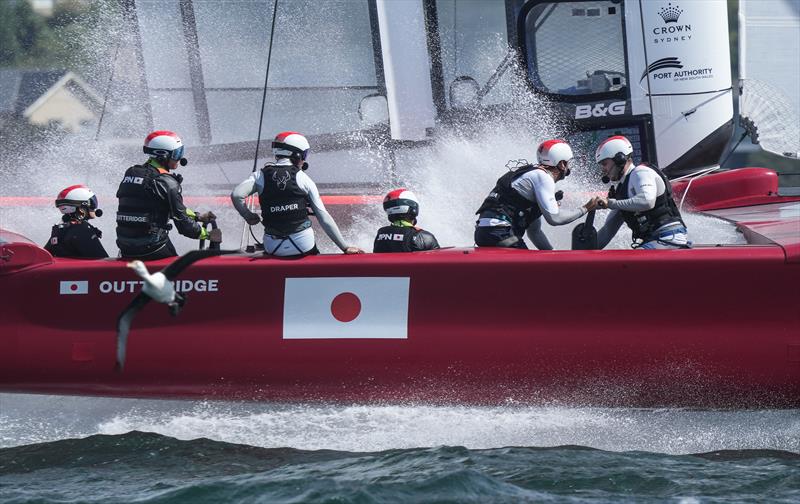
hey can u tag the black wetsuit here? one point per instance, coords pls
(76, 238)
(148, 199)
(396, 238)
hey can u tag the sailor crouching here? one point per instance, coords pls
(523, 196)
(75, 237)
(402, 235)
(642, 199)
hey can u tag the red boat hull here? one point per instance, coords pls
(707, 327)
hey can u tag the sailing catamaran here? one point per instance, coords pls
(718, 327)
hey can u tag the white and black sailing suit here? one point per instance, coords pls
(285, 193)
(516, 204)
(149, 196)
(643, 201)
(403, 236)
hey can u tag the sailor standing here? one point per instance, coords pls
(522, 196)
(150, 195)
(642, 199)
(285, 194)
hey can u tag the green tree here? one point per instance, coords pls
(9, 47)
(32, 31)
(66, 12)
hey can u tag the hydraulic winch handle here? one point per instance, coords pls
(212, 245)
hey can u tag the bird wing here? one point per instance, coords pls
(175, 267)
(124, 326)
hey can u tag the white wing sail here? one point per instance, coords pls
(769, 44)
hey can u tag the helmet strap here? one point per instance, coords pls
(617, 171)
(554, 172)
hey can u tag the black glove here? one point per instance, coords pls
(206, 217)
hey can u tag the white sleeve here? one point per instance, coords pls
(643, 187)
(253, 184)
(544, 188)
(609, 230)
(537, 236)
(564, 217)
(308, 186)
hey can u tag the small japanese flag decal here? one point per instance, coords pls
(346, 308)
(73, 287)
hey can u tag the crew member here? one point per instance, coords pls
(403, 235)
(525, 194)
(286, 193)
(75, 237)
(642, 199)
(150, 195)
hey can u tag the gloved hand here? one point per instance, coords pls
(215, 236)
(253, 219)
(592, 204)
(206, 217)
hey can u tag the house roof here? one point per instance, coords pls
(9, 90)
(36, 83)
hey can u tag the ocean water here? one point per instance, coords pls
(72, 449)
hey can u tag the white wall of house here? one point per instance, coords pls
(62, 108)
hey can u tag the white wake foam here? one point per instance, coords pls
(26, 419)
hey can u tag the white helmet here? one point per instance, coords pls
(74, 197)
(552, 152)
(401, 202)
(290, 144)
(617, 148)
(164, 144)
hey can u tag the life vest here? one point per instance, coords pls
(403, 239)
(665, 211)
(62, 241)
(507, 204)
(141, 206)
(284, 206)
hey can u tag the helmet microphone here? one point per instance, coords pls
(98, 212)
(605, 179)
(183, 161)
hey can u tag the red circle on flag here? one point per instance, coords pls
(345, 307)
(73, 287)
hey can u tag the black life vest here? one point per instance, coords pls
(75, 238)
(284, 207)
(403, 239)
(142, 208)
(507, 204)
(665, 211)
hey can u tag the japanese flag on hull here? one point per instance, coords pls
(346, 308)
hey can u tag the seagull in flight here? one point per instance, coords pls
(158, 287)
